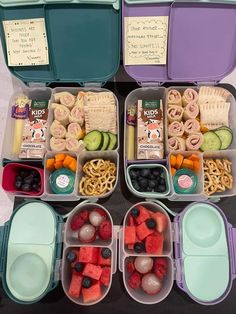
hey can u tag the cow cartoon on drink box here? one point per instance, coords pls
(150, 130)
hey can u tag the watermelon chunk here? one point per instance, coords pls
(131, 221)
(143, 214)
(88, 255)
(106, 276)
(130, 235)
(143, 231)
(77, 258)
(154, 244)
(75, 285)
(92, 294)
(161, 221)
(103, 261)
(92, 271)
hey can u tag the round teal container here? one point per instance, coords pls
(185, 181)
(62, 181)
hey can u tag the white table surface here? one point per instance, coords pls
(8, 84)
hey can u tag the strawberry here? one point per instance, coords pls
(134, 280)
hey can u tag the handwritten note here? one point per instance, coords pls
(26, 42)
(146, 40)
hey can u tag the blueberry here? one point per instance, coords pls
(71, 257)
(36, 187)
(28, 180)
(79, 267)
(148, 189)
(139, 247)
(23, 173)
(133, 174)
(145, 172)
(162, 181)
(151, 184)
(161, 188)
(156, 172)
(150, 223)
(106, 253)
(36, 180)
(18, 184)
(135, 212)
(151, 177)
(26, 187)
(143, 183)
(87, 282)
(136, 186)
(34, 173)
(18, 178)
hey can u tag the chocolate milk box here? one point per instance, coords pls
(34, 135)
(150, 129)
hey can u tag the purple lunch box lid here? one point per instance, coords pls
(201, 42)
(231, 239)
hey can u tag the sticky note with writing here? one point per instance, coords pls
(146, 40)
(26, 42)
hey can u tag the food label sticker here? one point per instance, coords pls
(62, 181)
(146, 40)
(26, 42)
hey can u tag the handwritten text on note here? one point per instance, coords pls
(26, 42)
(146, 40)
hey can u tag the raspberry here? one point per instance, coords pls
(101, 212)
(84, 214)
(76, 223)
(160, 267)
(130, 267)
(105, 230)
(135, 280)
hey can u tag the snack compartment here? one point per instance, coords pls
(223, 156)
(37, 93)
(179, 171)
(109, 177)
(59, 183)
(88, 265)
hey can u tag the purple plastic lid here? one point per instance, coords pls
(201, 44)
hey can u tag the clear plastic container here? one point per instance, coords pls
(71, 242)
(125, 254)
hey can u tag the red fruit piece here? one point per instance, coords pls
(154, 244)
(105, 230)
(134, 280)
(77, 257)
(160, 267)
(92, 271)
(161, 221)
(101, 212)
(143, 214)
(75, 285)
(103, 261)
(143, 231)
(131, 221)
(106, 276)
(130, 235)
(88, 255)
(84, 214)
(130, 267)
(76, 222)
(130, 246)
(92, 294)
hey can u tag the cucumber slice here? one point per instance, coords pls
(211, 142)
(226, 138)
(106, 141)
(93, 140)
(113, 141)
(224, 128)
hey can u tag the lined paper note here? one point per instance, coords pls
(146, 40)
(26, 42)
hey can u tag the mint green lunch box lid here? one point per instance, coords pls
(83, 39)
(30, 251)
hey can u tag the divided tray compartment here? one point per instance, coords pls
(71, 242)
(199, 195)
(205, 253)
(31, 245)
(125, 255)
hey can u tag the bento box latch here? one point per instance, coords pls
(37, 84)
(206, 83)
(232, 245)
(175, 232)
(150, 83)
